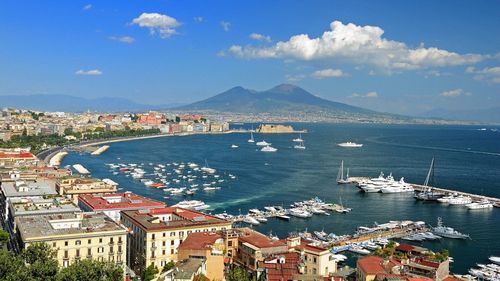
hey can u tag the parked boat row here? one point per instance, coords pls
(385, 185)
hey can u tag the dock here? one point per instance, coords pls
(80, 169)
(446, 191)
(100, 150)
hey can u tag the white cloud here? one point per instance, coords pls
(162, 25)
(123, 39)
(367, 95)
(198, 19)
(358, 45)
(488, 74)
(91, 72)
(454, 93)
(225, 25)
(329, 72)
(87, 7)
(260, 37)
(294, 77)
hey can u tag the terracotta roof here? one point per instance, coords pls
(258, 239)
(118, 201)
(199, 241)
(405, 248)
(371, 265)
(308, 246)
(427, 263)
(16, 155)
(281, 271)
(452, 278)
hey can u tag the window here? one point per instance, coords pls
(119, 248)
(77, 253)
(65, 254)
(229, 243)
(111, 240)
(314, 259)
(172, 234)
(119, 239)
(100, 240)
(164, 234)
(100, 250)
(66, 263)
(111, 249)
(89, 241)
(153, 236)
(54, 244)
(65, 243)
(89, 251)
(172, 251)
(163, 252)
(172, 242)
(164, 243)
(78, 242)
(181, 233)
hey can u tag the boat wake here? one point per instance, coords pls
(375, 140)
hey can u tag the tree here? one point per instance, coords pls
(150, 273)
(12, 268)
(68, 131)
(168, 266)
(91, 270)
(4, 236)
(238, 274)
(41, 262)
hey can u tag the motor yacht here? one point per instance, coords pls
(359, 250)
(350, 144)
(263, 143)
(483, 204)
(192, 204)
(299, 139)
(268, 149)
(460, 200)
(397, 187)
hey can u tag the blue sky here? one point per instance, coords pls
(396, 56)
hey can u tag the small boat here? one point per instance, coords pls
(494, 259)
(157, 185)
(300, 146)
(340, 174)
(207, 169)
(211, 188)
(350, 144)
(483, 204)
(263, 143)
(299, 139)
(192, 204)
(283, 217)
(234, 146)
(251, 220)
(251, 140)
(269, 149)
(261, 219)
(359, 250)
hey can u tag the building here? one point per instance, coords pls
(254, 247)
(11, 158)
(21, 189)
(286, 266)
(369, 267)
(35, 206)
(112, 204)
(75, 186)
(157, 233)
(318, 261)
(186, 270)
(210, 246)
(75, 237)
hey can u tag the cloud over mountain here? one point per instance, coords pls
(162, 25)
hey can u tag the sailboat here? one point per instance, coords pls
(299, 139)
(251, 137)
(340, 175)
(427, 194)
(300, 145)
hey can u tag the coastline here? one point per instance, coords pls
(54, 151)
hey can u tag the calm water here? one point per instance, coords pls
(466, 160)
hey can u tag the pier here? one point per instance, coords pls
(446, 191)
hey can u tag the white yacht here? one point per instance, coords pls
(192, 204)
(483, 204)
(207, 169)
(299, 139)
(268, 149)
(234, 146)
(376, 184)
(263, 143)
(494, 259)
(460, 200)
(397, 187)
(251, 220)
(340, 174)
(358, 250)
(300, 213)
(350, 144)
(300, 146)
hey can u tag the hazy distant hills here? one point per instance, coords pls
(489, 115)
(280, 99)
(74, 104)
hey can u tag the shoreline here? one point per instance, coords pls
(54, 151)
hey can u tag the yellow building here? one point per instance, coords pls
(75, 236)
(74, 186)
(157, 233)
(318, 261)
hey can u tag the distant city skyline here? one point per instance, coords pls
(398, 57)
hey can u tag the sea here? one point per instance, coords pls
(467, 158)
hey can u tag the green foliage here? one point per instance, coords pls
(38, 263)
(168, 266)
(91, 270)
(4, 236)
(150, 273)
(238, 274)
(441, 256)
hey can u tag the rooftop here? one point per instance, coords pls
(21, 188)
(281, 267)
(200, 241)
(42, 227)
(20, 155)
(41, 205)
(258, 239)
(118, 201)
(187, 268)
(371, 265)
(171, 217)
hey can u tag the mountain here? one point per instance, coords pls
(283, 98)
(74, 104)
(487, 115)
